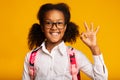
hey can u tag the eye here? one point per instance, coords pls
(48, 23)
(59, 23)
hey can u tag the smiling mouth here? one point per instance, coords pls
(55, 33)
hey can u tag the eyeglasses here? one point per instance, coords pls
(49, 24)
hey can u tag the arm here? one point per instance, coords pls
(25, 75)
(98, 70)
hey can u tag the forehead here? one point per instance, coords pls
(54, 15)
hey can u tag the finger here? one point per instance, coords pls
(91, 28)
(86, 26)
(83, 35)
(97, 29)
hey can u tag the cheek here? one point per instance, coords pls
(64, 30)
(46, 33)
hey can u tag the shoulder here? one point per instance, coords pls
(76, 51)
(27, 56)
(81, 58)
(31, 51)
(79, 54)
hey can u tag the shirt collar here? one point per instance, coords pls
(44, 48)
(61, 47)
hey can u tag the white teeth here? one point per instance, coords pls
(54, 34)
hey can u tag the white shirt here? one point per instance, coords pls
(56, 65)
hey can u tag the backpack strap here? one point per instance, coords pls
(31, 63)
(73, 64)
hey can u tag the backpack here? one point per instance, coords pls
(73, 64)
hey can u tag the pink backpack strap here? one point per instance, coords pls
(73, 68)
(31, 63)
(73, 64)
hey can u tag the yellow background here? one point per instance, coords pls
(17, 16)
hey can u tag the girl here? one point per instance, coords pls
(51, 59)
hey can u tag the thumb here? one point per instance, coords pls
(83, 36)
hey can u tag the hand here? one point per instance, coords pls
(89, 37)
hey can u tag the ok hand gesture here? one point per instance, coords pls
(89, 38)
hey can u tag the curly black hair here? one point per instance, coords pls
(36, 36)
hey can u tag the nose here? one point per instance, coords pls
(54, 26)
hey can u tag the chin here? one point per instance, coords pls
(56, 41)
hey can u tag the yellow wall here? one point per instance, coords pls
(17, 16)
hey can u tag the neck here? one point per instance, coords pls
(50, 45)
